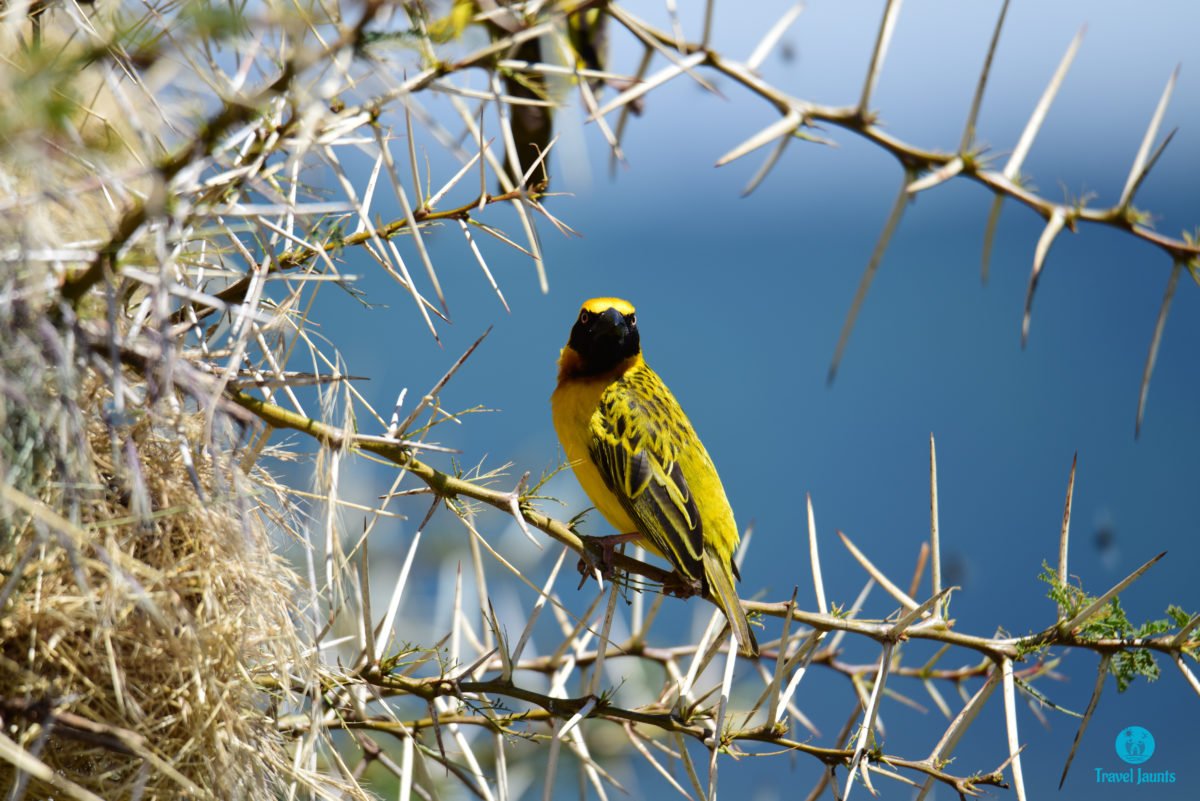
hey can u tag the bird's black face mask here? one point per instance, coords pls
(604, 340)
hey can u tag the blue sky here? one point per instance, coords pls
(740, 302)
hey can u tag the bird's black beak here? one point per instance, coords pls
(609, 324)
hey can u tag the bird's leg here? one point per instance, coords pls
(598, 554)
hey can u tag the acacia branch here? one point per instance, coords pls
(911, 157)
(696, 725)
(449, 487)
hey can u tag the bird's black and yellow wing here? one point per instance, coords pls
(637, 435)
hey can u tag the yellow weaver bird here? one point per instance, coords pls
(639, 459)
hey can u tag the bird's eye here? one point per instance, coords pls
(633, 321)
(584, 316)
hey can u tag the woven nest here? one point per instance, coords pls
(139, 596)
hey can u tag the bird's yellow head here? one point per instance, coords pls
(604, 336)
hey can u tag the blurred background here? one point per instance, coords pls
(741, 300)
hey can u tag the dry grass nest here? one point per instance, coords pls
(140, 600)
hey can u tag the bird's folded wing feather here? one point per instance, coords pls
(635, 445)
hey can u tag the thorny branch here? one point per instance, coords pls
(995, 651)
(925, 168)
(448, 487)
(920, 160)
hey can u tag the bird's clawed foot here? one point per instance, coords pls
(681, 586)
(597, 556)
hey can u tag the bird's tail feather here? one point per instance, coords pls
(719, 574)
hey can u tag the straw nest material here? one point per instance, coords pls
(139, 596)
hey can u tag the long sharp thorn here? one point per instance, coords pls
(637, 90)
(959, 726)
(768, 164)
(1066, 529)
(864, 284)
(900, 595)
(968, 138)
(1043, 107)
(1010, 725)
(1096, 606)
(989, 237)
(1140, 160)
(440, 384)
(772, 36)
(1058, 219)
(815, 559)
(870, 716)
(1155, 341)
(878, 53)
(783, 127)
(1087, 715)
(935, 542)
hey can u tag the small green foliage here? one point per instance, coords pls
(1026, 648)
(533, 490)
(1070, 599)
(607, 695)
(1111, 623)
(577, 520)
(1128, 665)
(402, 658)
(1179, 617)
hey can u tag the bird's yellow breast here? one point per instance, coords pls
(572, 406)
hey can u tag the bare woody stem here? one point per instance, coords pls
(448, 487)
(697, 727)
(861, 122)
(443, 484)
